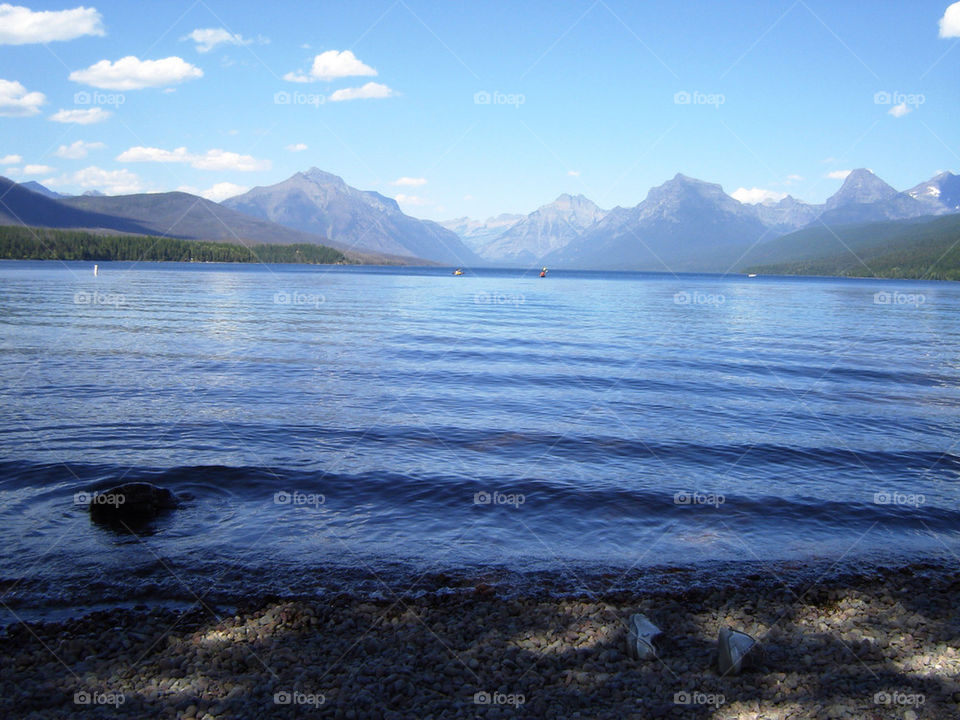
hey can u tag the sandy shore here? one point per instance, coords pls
(880, 644)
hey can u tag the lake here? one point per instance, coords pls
(329, 425)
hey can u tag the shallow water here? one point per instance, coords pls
(327, 423)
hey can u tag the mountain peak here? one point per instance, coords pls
(566, 200)
(940, 193)
(861, 186)
(681, 179)
(683, 186)
(42, 189)
(317, 175)
(321, 203)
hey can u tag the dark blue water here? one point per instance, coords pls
(612, 420)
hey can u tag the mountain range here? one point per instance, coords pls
(685, 224)
(525, 239)
(319, 202)
(171, 214)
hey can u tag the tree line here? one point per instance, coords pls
(28, 243)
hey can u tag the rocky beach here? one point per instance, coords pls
(880, 643)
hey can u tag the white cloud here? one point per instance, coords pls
(794, 178)
(15, 101)
(38, 169)
(331, 65)
(409, 181)
(899, 110)
(298, 147)
(11, 159)
(111, 182)
(334, 64)
(753, 196)
(210, 160)
(950, 22)
(368, 91)
(81, 117)
(838, 174)
(573, 173)
(77, 150)
(224, 160)
(220, 191)
(413, 200)
(208, 38)
(21, 25)
(132, 73)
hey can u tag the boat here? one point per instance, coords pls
(543, 273)
(458, 271)
(752, 275)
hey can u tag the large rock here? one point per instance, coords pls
(131, 502)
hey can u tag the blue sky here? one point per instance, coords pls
(468, 108)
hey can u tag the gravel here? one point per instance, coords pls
(878, 644)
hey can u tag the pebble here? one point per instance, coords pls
(430, 656)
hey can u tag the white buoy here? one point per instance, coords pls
(96, 270)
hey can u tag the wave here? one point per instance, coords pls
(890, 502)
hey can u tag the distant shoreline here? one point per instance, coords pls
(494, 268)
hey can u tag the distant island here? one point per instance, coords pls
(26, 243)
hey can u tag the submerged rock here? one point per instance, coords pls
(131, 502)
